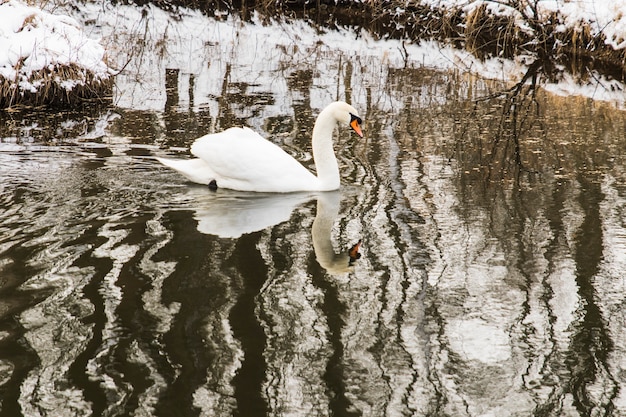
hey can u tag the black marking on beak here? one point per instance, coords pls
(355, 124)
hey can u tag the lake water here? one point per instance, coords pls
(491, 280)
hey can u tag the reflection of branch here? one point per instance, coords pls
(404, 53)
(532, 72)
(518, 102)
(515, 102)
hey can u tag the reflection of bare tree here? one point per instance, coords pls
(510, 181)
(591, 343)
(516, 149)
(300, 82)
(519, 109)
(171, 88)
(518, 221)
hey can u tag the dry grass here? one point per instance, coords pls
(50, 90)
(481, 32)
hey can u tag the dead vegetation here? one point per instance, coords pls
(486, 34)
(58, 85)
(480, 31)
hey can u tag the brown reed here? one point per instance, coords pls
(50, 90)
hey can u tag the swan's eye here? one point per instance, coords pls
(357, 118)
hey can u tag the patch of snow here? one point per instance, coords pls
(145, 41)
(33, 40)
(602, 17)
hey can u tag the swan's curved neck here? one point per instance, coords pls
(323, 153)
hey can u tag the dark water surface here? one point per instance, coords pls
(491, 281)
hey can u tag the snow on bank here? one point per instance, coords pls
(34, 42)
(211, 50)
(146, 41)
(601, 17)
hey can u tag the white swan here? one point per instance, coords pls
(240, 159)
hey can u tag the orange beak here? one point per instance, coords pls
(354, 124)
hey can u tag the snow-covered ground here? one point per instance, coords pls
(148, 41)
(602, 17)
(32, 40)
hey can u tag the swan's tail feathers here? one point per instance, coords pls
(195, 170)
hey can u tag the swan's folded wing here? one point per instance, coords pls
(244, 160)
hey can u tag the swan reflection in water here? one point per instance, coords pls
(231, 214)
(327, 213)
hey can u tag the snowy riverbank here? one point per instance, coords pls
(599, 19)
(47, 58)
(50, 56)
(147, 41)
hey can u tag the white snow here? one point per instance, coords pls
(146, 41)
(33, 40)
(603, 17)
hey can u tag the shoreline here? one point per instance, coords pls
(483, 32)
(544, 39)
(556, 39)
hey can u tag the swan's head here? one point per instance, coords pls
(346, 114)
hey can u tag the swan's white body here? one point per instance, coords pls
(241, 159)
